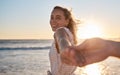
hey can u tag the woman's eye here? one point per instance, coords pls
(51, 18)
(58, 18)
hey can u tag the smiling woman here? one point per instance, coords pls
(89, 30)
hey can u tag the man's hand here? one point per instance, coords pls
(90, 51)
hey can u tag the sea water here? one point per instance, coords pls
(31, 57)
(24, 57)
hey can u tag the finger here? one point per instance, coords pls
(81, 60)
(72, 57)
(77, 58)
(65, 56)
(66, 61)
(68, 56)
(67, 51)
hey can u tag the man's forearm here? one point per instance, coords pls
(117, 49)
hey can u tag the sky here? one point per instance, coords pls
(29, 19)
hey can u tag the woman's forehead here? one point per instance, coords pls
(58, 11)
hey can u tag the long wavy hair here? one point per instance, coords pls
(72, 23)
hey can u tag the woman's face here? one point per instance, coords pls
(58, 19)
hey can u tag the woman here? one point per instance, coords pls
(61, 17)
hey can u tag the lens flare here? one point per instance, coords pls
(89, 30)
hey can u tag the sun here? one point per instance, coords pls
(89, 30)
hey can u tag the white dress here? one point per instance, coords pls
(58, 68)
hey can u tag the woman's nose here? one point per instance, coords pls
(54, 22)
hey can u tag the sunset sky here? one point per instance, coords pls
(29, 19)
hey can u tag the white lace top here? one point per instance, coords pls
(58, 68)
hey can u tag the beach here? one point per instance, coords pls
(16, 58)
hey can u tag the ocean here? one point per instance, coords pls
(30, 57)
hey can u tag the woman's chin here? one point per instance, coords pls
(53, 29)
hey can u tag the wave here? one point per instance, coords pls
(25, 48)
(24, 41)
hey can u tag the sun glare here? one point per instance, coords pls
(86, 31)
(92, 69)
(89, 30)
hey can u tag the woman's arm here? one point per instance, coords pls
(62, 39)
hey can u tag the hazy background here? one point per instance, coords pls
(29, 19)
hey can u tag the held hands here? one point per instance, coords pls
(90, 51)
(62, 41)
